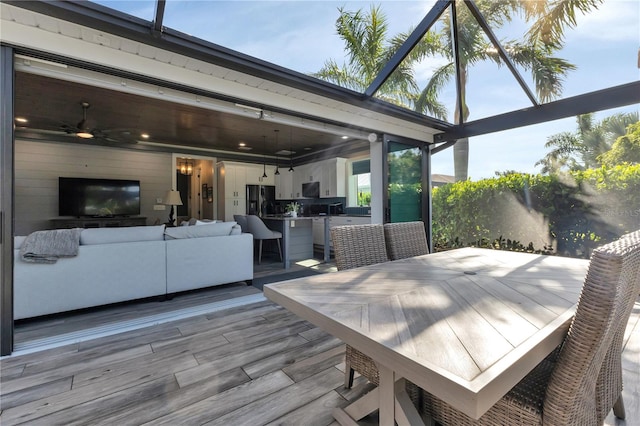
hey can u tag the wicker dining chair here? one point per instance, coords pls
(563, 388)
(358, 245)
(609, 386)
(354, 246)
(405, 239)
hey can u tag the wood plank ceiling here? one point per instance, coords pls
(50, 104)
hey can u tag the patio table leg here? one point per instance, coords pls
(390, 398)
(386, 395)
(364, 406)
(406, 413)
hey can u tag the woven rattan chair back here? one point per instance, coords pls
(405, 239)
(358, 245)
(606, 301)
(609, 386)
(571, 386)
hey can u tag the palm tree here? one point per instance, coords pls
(583, 148)
(368, 52)
(534, 53)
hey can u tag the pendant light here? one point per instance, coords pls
(264, 157)
(186, 167)
(83, 130)
(291, 150)
(277, 172)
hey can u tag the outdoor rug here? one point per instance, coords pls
(261, 281)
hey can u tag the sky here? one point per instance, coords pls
(301, 35)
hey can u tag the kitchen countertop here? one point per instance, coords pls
(280, 216)
(283, 217)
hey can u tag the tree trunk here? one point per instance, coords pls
(460, 115)
(461, 159)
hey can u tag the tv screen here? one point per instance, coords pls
(98, 197)
(311, 190)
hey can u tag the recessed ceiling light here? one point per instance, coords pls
(21, 120)
(242, 144)
(144, 136)
(345, 137)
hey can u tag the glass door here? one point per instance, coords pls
(404, 182)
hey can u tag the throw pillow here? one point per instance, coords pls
(211, 230)
(205, 222)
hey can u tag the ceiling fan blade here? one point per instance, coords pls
(122, 136)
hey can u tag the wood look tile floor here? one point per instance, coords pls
(256, 364)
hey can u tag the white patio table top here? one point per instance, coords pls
(466, 325)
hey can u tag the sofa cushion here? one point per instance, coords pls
(17, 241)
(211, 230)
(121, 235)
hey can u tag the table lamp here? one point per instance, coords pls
(172, 198)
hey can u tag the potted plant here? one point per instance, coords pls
(292, 209)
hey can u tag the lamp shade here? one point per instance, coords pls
(172, 198)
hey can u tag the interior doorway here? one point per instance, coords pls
(194, 178)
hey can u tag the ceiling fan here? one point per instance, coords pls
(83, 130)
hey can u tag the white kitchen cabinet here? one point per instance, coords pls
(332, 178)
(318, 225)
(232, 181)
(284, 185)
(254, 173)
(301, 175)
(350, 220)
(318, 230)
(234, 206)
(331, 174)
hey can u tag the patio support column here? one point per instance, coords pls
(378, 180)
(427, 192)
(6, 199)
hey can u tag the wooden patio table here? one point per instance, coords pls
(466, 325)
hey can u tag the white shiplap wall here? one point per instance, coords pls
(39, 164)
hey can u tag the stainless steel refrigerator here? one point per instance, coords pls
(261, 199)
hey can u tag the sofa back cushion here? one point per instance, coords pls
(121, 235)
(17, 241)
(211, 230)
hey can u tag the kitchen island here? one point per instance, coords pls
(297, 236)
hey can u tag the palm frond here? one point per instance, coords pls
(342, 76)
(616, 125)
(427, 100)
(548, 72)
(555, 17)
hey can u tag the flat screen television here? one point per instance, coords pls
(98, 197)
(311, 190)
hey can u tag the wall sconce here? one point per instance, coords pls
(186, 167)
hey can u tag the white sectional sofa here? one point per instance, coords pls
(120, 264)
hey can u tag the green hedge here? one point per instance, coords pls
(570, 213)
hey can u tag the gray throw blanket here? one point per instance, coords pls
(49, 246)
